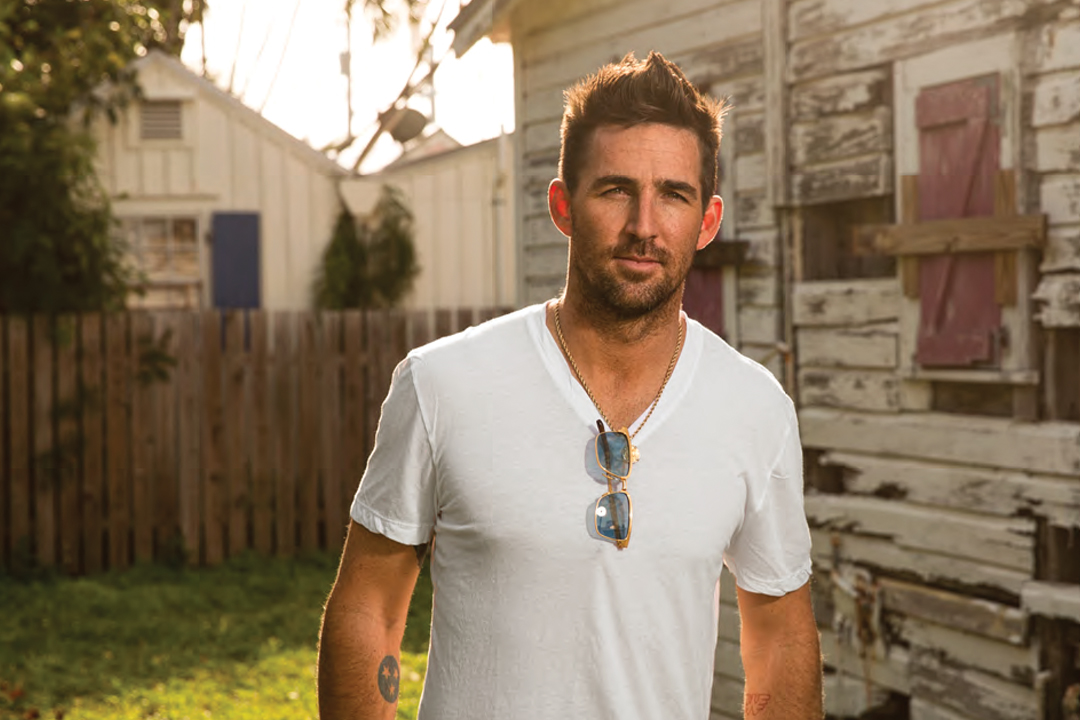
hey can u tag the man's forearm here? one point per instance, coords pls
(784, 680)
(359, 671)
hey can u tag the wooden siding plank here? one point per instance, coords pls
(753, 211)
(1053, 600)
(92, 495)
(854, 92)
(1008, 542)
(262, 513)
(213, 438)
(829, 139)
(189, 432)
(1056, 99)
(1056, 149)
(332, 446)
(760, 325)
(870, 390)
(758, 289)
(1051, 448)
(996, 492)
(777, 136)
(969, 691)
(45, 451)
(166, 457)
(726, 66)
(284, 432)
(616, 22)
(861, 346)
(1060, 199)
(143, 442)
(974, 234)
(727, 697)
(310, 427)
(848, 179)
(355, 433)
(750, 172)
(1057, 48)
(885, 555)
(762, 250)
(118, 440)
(819, 17)
(843, 653)
(68, 409)
(676, 36)
(746, 95)
(848, 302)
(235, 438)
(899, 36)
(960, 612)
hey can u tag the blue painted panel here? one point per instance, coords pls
(235, 260)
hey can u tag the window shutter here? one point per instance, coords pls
(959, 149)
(161, 120)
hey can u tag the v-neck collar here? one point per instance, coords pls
(572, 391)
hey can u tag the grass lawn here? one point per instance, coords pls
(232, 642)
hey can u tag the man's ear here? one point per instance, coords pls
(710, 224)
(559, 206)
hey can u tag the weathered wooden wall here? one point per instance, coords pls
(719, 44)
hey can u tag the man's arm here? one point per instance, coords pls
(781, 654)
(364, 621)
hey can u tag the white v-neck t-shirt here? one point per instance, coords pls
(486, 442)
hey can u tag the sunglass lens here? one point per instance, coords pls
(613, 516)
(613, 453)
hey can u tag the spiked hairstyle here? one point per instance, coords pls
(632, 92)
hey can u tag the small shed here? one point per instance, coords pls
(905, 178)
(218, 206)
(462, 200)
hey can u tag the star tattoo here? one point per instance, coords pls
(389, 679)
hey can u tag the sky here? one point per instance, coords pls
(297, 77)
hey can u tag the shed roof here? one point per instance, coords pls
(228, 102)
(481, 18)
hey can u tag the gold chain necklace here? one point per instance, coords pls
(635, 456)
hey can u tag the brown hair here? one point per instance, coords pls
(632, 92)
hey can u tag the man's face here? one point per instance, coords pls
(635, 219)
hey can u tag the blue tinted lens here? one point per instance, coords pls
(613, 453)
(613, 516)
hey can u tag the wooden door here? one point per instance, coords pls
(959, 157)
(703, 298)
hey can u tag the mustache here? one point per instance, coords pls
(643, 249)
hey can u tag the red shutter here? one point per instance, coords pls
(959, 150)
(703, 298)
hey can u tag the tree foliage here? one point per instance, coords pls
(372, 263)
(61, 63)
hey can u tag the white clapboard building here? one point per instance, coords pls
(220, 208)
(902, 248)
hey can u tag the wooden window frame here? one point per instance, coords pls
(999, 55)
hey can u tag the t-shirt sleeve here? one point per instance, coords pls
(396, 497)
(770, 554)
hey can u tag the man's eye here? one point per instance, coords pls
(616, 191)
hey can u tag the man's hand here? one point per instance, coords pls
(364, 621)
(781, 653)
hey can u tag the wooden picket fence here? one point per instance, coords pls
(191, 436)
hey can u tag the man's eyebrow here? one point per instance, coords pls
(679, 186)
(617, 180)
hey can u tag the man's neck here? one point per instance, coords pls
(624, 362)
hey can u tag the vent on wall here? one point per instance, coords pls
(161, 120)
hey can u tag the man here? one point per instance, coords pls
(575, 563)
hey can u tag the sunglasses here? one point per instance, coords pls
(613, 515)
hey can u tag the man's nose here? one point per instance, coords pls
(642, 222)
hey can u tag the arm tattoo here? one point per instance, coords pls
(421, 554)
(755, 703)
(389, 678)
